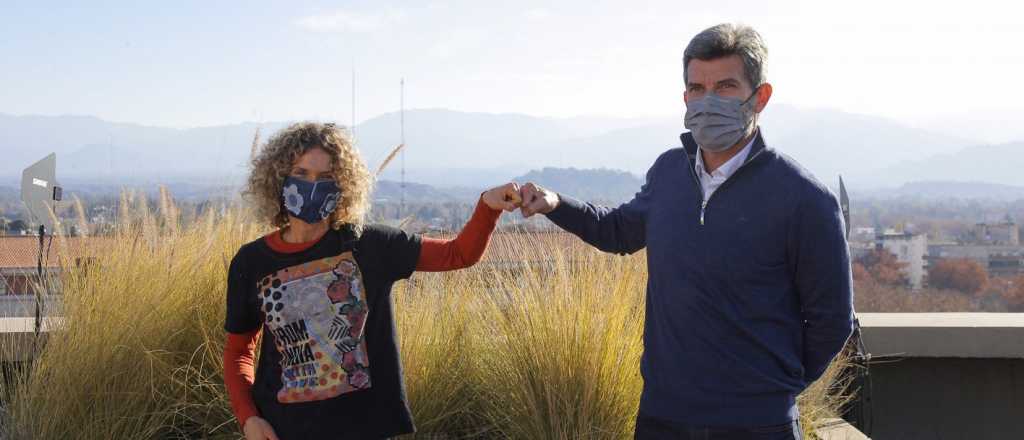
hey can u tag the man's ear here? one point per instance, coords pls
(764, 93)
(686, 97)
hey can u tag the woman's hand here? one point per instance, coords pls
(505, 197)
(256, 428)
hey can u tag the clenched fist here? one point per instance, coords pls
(505, 197)
(537, 200)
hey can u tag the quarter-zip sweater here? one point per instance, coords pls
(749, 292)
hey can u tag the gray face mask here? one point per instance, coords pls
(718, 123)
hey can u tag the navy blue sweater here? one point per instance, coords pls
(748, 294)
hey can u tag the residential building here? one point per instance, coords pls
(998, 260)
(910, 249)
(1006, 233)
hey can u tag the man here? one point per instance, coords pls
(749, 291)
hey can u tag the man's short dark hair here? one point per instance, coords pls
(729, 39)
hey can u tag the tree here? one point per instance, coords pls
(16, 227)
(1013, 293)
(883, 267)
(861, 276)
(962, 274)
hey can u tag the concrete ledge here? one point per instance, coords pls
(17, 337)
(944, 335)
(28, 325)
(838, 429)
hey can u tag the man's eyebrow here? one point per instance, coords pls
(728, 81)
(694, 85)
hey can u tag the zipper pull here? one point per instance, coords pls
(703, 205)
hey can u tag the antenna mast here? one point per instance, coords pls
(402, 121)
(352, 126)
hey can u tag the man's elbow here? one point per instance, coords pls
(618, 245)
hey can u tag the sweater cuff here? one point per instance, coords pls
(566, 207)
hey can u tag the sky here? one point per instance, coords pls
(953, 68)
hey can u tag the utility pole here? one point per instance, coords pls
(401, 212)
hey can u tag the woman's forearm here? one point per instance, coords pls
(466, 249)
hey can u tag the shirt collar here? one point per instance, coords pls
(728, 168)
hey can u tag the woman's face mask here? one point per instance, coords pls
(310, 202)
(717, 122)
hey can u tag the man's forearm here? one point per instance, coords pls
(822, 344)
(607, 229)
(824, 281)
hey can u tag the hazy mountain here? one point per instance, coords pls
(447, 147)
(829, 143)
(476, 150)
(391, 191)
(439, 141)
(600, 185)
(998, 164)
(93, 149)
(937, 190)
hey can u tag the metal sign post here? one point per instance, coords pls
(858, 411)
(41, 192)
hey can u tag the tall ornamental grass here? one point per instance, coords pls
(542, 340)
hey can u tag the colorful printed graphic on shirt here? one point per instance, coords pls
(317, 313)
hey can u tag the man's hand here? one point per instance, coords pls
(256, 428)
(506, 197)
(537, 200)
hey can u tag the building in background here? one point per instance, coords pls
(19, 260)
(910, 249)
(1006, 233)
(998, 260)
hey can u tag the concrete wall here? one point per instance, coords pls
(946, 375)
(12, 306)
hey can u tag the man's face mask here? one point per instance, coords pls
(718, 122)
(311, 202)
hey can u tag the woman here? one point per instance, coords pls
(320, 287)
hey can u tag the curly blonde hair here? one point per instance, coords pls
(274, 163)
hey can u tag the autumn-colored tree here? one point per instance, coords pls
(1013, 293)
(883, 268)
(894, 299)
(861, 276)
(961, 274)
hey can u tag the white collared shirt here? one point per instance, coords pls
(711, 182)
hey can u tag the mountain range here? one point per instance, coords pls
(446, 148)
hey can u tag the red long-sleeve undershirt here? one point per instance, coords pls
(436, 255)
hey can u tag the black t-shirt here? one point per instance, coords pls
(329, 365)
